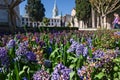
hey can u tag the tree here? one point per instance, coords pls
(35, 10)
(46, 21)
(105, 7)
(83, 10)
(12, 12)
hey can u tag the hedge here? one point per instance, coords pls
(41, 29)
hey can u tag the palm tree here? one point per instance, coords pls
(11, 4)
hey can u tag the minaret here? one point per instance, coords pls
(55, 10)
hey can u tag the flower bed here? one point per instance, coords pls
(73, 55)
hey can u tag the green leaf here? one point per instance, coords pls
(72, 66)
(90, 52)
(115, 68)
(116, 79)
(119, 75)
(71, 75)
(16, 70)
(9, 75)
(23, 70)
(100, 75)
(53, 53)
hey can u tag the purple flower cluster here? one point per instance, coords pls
(99, 59)
(73, 46)
(89, 41)
(117, 33)
(61, 73)
(23, 51)
(81, 72)
(11, 44)
(4, 60)
(78, 48)
(41, 75)
(30, 56)
(98, 54)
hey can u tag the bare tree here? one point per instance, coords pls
(11, 4)
(105, 7)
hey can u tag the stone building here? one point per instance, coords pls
(55, 21)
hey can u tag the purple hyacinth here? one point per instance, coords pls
(49, 50)
(117, 33)
(85, 51)
(22, 49)
(11, 44)
(24, 78)
(98, 54)
(41, 75)
(3, 57)
(81, 72)
(89, 40)
(30, 56)
(73, 47)
(79, 49)
(37, 40)
(71, 40)
(61, 73)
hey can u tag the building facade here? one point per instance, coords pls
(56, 20)
(26, 21)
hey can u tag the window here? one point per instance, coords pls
(30, 24)
(27, 24)
(52, 24)
(26, 19)
(22, 19)
(23, 23)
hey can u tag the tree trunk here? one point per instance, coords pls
(101, 22)
(104, 22)
(98, 21)
(93, 18)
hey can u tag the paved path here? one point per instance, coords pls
(89, 29)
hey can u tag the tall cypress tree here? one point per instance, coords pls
(35, 10)
(83, 9)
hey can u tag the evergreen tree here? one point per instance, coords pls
(35, 10)
(83, 9)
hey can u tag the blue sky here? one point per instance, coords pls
(64, 6)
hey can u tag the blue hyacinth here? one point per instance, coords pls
(61, 73)
(89, 40)
(79, 49)
(4, 57)
(11, 44)
(24, 78)
(47, 63)
(41, 75)
(81, 72)
(73, 47)
(85, 51)
(22, 49)
(98, 54)
(30, 56)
